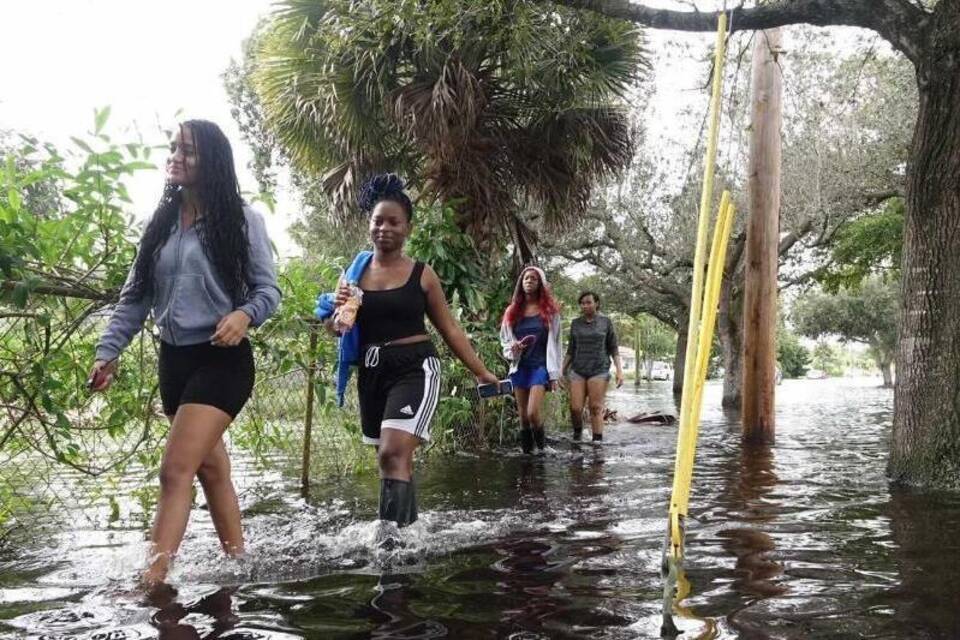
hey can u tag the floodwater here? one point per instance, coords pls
(801, 540)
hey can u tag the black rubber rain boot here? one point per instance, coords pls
(526, 440)
(540, 438)
(598, 437)
(398, 501)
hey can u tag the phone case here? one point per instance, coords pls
(489, 390)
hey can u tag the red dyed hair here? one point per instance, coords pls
(548, 304)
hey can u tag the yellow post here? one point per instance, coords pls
(703, 310)
(706, 197)
(689, 429)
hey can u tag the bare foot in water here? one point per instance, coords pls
(153, 578)
(157, 594)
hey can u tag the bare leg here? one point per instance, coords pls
(526, 435)
(196, 429)
(214, 474)
(578, 396)
(522, 396)
(395, 454)
(535, 414)
(596, 393)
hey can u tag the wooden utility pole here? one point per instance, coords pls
(763, 231)
(636, 354)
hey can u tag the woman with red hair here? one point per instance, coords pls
(530, 337)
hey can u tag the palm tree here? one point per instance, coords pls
(512, 109)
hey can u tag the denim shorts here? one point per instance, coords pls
(573, 376)
(526, 377)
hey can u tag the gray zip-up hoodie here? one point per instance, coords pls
(188, 298)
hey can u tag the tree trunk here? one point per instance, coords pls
(680, 357)
(886, 370)
(763, 231)
(636, 358)
(926, 422)
(729, 329)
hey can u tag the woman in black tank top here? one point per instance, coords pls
(398, 378)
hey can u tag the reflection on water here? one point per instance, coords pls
(803, 539)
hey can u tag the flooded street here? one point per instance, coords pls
(801, 540)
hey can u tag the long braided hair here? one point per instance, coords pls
(222, 226)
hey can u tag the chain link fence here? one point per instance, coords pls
(100, 470)
(104, 471)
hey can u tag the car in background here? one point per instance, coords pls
(661, 371)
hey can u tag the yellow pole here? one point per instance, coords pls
(699, 338)
(706, 197)
(687, 439)
(714, 279)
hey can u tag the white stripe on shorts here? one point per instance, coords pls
(419, 424)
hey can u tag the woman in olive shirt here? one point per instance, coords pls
(592, 343)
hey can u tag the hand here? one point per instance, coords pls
(619, 377)
(516, 349)
(101, 375)
(487, 377)
(343, 292)
(554, 385)
(231, 329)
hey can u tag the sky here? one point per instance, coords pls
(146, 59)
(150, 60)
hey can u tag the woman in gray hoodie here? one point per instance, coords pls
(205, 271)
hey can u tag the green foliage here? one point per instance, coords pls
(871, 245)
(867, 314)
(437, 241)
(66, 240)
(477, 302)
(793, 357)
(495, 102)
(657, 340)
(827, 358)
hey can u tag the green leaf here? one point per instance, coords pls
(80, 143)
(100, 118)
(62, 422)
(21, 292)
(13, 198)
(138, 165)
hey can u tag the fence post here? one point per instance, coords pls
(308, 420)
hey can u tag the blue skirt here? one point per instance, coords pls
(526, 377)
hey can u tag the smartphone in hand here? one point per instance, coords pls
(490, 390)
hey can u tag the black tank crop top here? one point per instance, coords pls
(392, 314)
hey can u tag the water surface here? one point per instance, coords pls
(800, 540)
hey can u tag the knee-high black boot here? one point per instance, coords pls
(539, 437)
(398, 501)
(526, 440)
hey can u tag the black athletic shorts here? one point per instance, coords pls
(221, 377)
(399, 386)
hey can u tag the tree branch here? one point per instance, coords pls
(62, 291)
(898, 21)
(792, 238)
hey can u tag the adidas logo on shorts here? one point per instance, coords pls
(407, 411)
